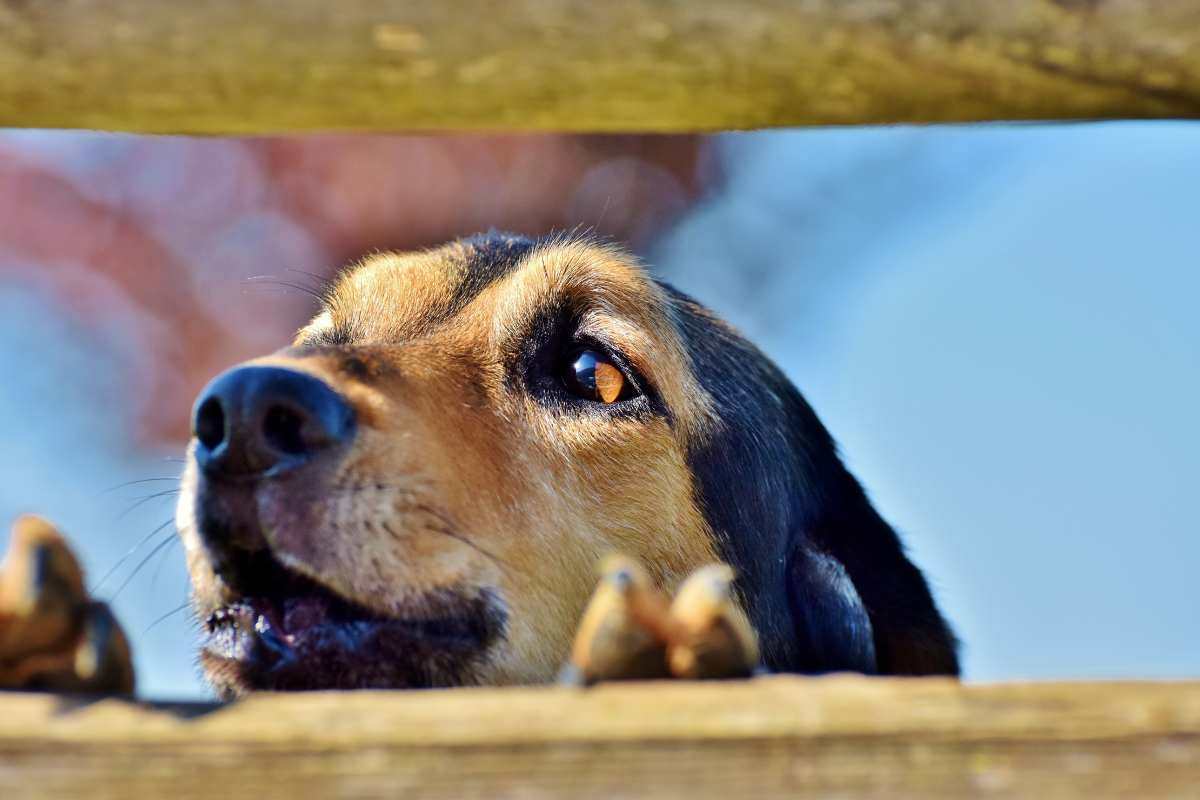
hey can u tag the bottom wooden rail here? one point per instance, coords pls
(780, 736)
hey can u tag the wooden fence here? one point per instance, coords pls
(776, 737)
(257, 66)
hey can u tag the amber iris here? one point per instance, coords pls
(592, 377)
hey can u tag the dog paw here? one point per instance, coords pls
(630, 631)
(712, 639)
(53, 637)
(623, 633)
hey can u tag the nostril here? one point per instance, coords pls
(283, 430)
(210, 423)
(260, 421)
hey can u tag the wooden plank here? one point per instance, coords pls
(780, 736)
(256, 66)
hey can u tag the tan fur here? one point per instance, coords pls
(459, 479)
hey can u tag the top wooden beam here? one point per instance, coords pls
(779, 737)
(266, 66)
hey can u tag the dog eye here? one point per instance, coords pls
(593, 377)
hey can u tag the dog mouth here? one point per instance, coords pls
(291, 633)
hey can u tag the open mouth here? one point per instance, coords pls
(291, 633)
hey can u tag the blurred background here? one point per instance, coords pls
(997, 323)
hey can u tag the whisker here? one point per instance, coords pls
(141, 564)
(270, 290)
(271, 281)
(142, 501)
(445, 530)
(166, 616)
(158, 567)
(322, 280)
(134, 483)
(132, 550)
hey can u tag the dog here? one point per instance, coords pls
(416, 491)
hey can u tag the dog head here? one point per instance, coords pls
(416, 492)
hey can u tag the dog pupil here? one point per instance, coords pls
(594, 378)
(584, 373)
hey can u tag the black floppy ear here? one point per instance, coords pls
(911, 636)
(823, 578)
(833, 629)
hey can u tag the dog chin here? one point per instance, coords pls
(267, 626)
(309, 639)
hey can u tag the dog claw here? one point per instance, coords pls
(622, 635)
(41, 572)
(102, 660)
(714, 639)
(52, 637)
(630, 632)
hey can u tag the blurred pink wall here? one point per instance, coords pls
(152, 240)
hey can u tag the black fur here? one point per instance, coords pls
(492, 256)
(790, 518)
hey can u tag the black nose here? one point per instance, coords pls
(263, 421)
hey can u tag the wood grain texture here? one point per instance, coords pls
(776, 737)
(257, 66)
